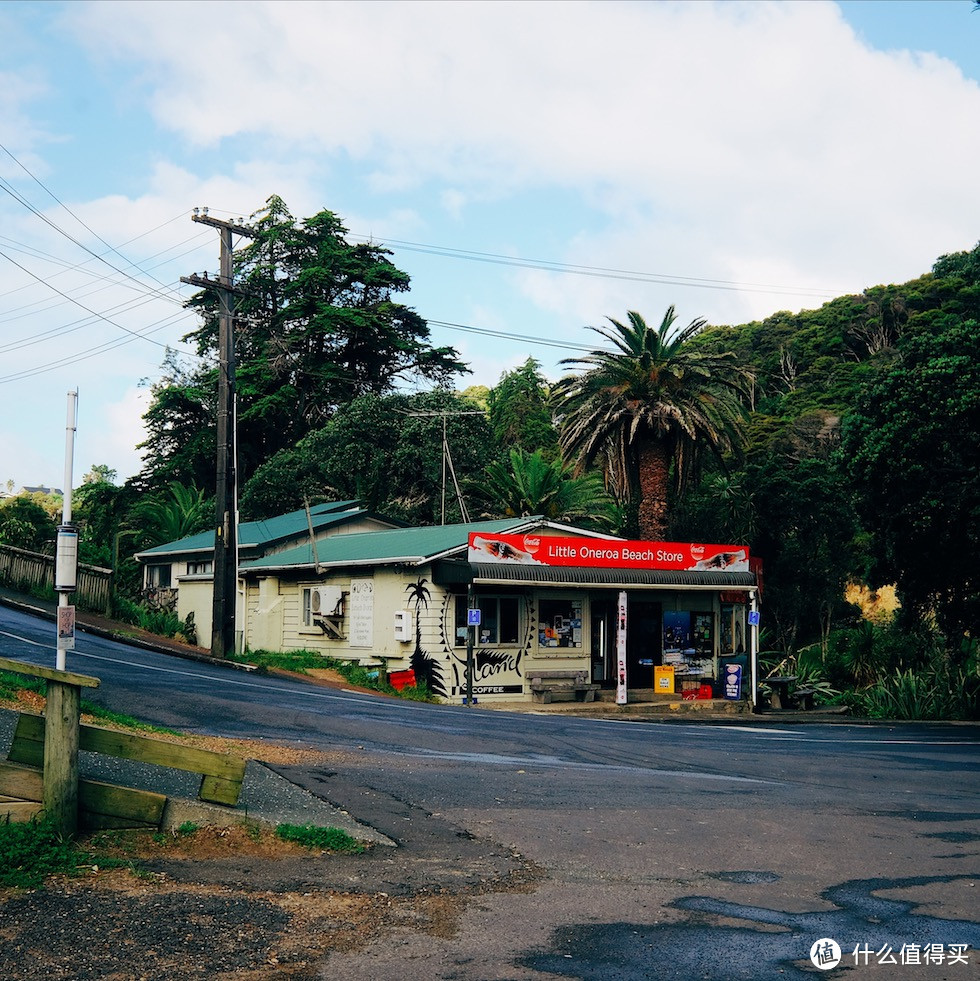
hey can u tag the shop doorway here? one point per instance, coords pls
(644, 641)
(603, 616)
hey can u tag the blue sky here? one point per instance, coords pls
(732, 159)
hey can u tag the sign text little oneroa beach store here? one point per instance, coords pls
(607, 554)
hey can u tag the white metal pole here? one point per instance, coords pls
(62, 577)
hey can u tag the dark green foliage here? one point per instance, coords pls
(31, 851)
(911, 451)
(936, 692)
(99, 509)
(25, 524)
(532, 484)
(805, 538)
(383, 450)
(173, 512)
(520, 411)
(317, 326)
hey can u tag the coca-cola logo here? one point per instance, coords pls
(531, 544)
(697, 552)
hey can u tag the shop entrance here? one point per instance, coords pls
(603, 616)
(644, 641)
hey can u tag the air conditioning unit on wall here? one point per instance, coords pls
(403, 626)
(327, 601)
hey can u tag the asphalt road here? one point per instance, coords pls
(669, 850)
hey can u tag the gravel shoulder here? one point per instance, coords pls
(231, 903)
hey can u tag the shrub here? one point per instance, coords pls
(928, 694)
(31, 851)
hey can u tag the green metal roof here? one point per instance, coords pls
(257, 534)
(410, 545)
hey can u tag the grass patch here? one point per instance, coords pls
(298, 661)
(124, 721)
(11, 683)
(33, 850)
(354, 673)
(326, 839)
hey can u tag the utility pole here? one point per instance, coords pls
(226, 491)
(447, 457)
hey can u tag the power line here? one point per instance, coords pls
(17, 196)
(602, 272)
(523, 338)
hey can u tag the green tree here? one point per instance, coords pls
(532, 484)
(647, 410)
(911, 450)
(317, 325)
(100, 510)
(173, 513)
(26, 524)
(383, 450)
(806, 539)
(520, 410)
(100, 473)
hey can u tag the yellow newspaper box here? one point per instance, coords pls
(663, 679)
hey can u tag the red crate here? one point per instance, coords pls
(402, 679)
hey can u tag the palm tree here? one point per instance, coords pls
(174, 512)
(654, 403)
(532, 484)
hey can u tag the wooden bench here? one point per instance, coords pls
(545, 685)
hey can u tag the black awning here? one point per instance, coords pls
(544, 575)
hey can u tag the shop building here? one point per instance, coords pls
(508, 597)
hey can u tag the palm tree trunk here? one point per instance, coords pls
(653, 462)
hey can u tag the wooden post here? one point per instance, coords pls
(61, 718)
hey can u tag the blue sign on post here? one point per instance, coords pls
(472, 618)
(754, 618)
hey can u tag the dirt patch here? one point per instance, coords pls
(123, 924)
(239, 903)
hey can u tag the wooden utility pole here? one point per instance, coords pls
(226, 490)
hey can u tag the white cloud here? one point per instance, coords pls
(711, 131)
(751, 143)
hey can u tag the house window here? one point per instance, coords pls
(158, 576)
(200, 568)
(499, 621)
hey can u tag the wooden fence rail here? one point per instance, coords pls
(41, 770)
(21, 569)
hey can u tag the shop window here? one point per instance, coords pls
(732, 640)
(499, 621)
(559, 623)
(689, 641)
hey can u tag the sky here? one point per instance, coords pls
(535, 167)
